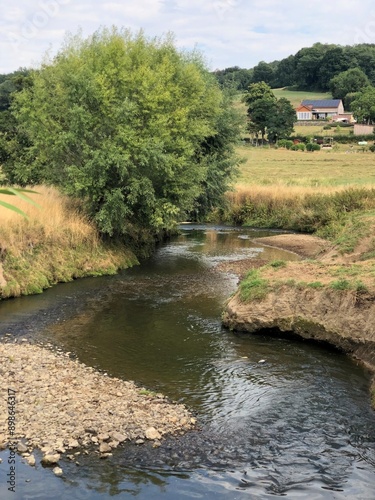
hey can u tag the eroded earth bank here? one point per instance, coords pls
(327, 296)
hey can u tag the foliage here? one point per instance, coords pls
(298, 147)
(267, 113)
(363, 106)
(234, 77)
(311, 146)
(263, 72)
(130, 125)
(253, 287)
(352, 80)
(285, 143)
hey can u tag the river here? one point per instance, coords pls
(277, 417)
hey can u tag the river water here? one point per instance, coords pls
(277, 417)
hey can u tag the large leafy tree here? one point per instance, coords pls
(349, 81)
(363, 106)
(267, 114)
(123, 121)
(281, 120)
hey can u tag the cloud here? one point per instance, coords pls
(231, 32)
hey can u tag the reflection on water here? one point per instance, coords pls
(297, 424)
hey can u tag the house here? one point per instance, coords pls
(319, 109)
(304, 112)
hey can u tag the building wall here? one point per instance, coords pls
(363, 129)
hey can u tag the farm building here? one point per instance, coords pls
(319, 109)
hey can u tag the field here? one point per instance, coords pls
(296, 96)
(319, 171)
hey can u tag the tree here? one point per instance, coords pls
(352, 80)
(122, 121)
(281, 121)
(363, 106)
(267, 114)
(335, 61)
(263, 72)
(260, 90)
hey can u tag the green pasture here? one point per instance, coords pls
(296, 96)
(343, 165)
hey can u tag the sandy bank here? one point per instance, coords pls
(61, 405)
(322, 299)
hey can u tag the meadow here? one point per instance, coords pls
(296, 96)
(56, 243)
(325, 170)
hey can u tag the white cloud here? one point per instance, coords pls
(231, 32)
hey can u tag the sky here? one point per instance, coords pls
(228, 32)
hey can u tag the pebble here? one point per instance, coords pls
(51, 459)
(63, 405)
(31, 460)
(57, 471)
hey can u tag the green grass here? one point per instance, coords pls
(253, 287)
(296, 96)
(341, 166)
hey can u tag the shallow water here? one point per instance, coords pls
(298, 424)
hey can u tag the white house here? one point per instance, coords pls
(311, 109)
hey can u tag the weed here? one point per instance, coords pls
(341, 284)
(315, 284)
(278, 264)
(253, 287)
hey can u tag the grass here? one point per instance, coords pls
(318, 130)
(56, 243)
(253, 287)
(325, 170)
(296, 96)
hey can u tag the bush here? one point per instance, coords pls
(312, 147)
(298, 147)
(372, 148)
(285, 143)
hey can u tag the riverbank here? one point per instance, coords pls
(57, 243)
(63, 407)
(328, 296)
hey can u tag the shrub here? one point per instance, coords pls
(298, 147)
(285, 143)
(372, 148)
(312, 147)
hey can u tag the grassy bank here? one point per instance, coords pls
(55, 244)
(304, 191)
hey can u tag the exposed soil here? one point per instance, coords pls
(326, 296)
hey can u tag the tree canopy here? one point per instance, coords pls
(136, 128)
(267, 114)
(363, 106)
(311, 68)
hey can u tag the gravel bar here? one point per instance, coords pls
(60, 406)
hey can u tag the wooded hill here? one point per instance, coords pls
(311, 68)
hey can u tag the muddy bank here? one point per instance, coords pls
(61, 406)
(319, 299)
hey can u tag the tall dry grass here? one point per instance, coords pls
(58, 222)
(57, 243)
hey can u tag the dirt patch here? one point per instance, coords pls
(307, 246)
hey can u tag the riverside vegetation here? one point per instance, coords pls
(330, 195)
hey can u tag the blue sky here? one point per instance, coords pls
(228, 32)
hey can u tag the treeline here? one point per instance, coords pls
(311, 68)
(138, 130)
